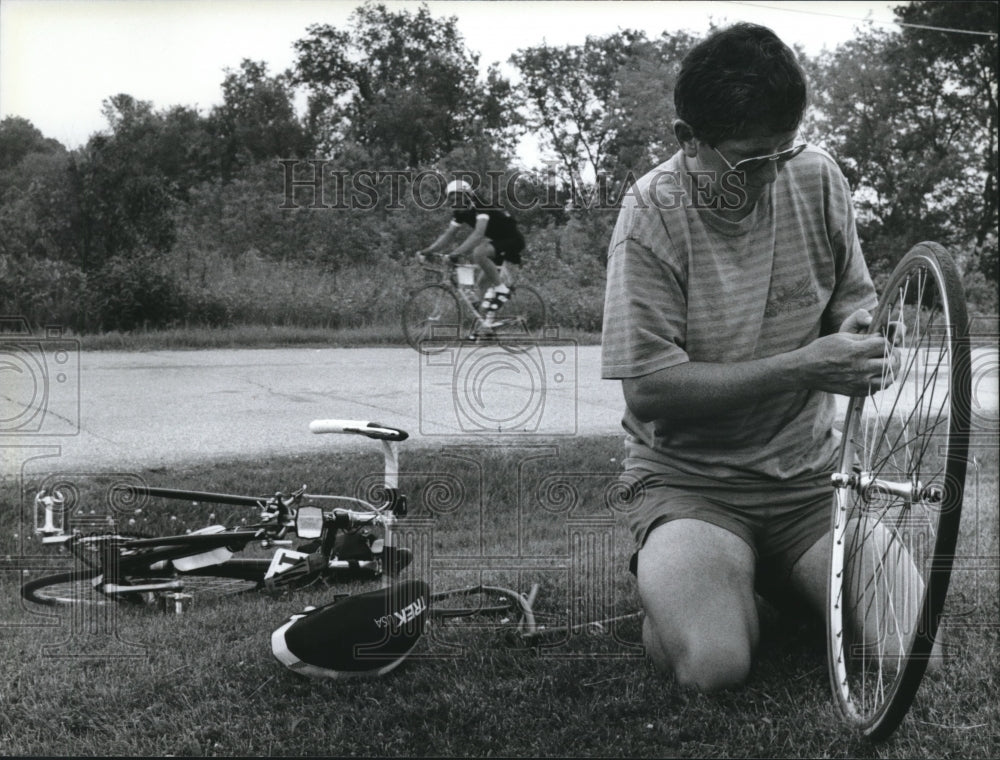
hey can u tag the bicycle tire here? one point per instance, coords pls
(903, 455)
(482, 608)
(432, 319)
(67, 588)
(73, 587)
(232, 577)
(76, 587)
(521, 321)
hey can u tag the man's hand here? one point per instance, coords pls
(850, 362)
(857, 323)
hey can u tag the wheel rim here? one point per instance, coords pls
(431, 319)
(897, 505)
(79, 588)
(72, 588)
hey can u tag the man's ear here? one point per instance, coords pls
(685, 136)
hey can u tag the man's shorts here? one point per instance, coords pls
(779, 521)
(507, 249)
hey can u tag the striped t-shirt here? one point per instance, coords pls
(684, 284)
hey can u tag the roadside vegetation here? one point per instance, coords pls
(256, 215)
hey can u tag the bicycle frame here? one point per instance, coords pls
(447, 275)
(124, 568)
(112, 556)
(468, 295)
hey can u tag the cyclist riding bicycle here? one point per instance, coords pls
(494, 240)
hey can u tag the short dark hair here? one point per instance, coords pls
(740, 77)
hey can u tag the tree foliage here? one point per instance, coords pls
(911, 118)
(173, 215)
(569, 90)
(404, 85)
(257, 119)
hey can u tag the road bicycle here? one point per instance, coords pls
(446, 311)
(336, 544)
(898, 497)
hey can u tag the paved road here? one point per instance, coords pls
(122, 411)
(151, 409)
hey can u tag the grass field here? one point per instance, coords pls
(141, 682)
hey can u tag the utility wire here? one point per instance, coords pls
(895, 22)
(946, 29)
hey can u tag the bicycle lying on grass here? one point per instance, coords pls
(446, 311)
(340, 542)
(337, 544)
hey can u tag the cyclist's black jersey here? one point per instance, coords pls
(500, 226)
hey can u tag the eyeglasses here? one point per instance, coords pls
(749, 165)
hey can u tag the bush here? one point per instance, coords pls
(562, 263)
(137, 291)
(980, 293)
(44, 291)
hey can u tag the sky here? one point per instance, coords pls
(59, 59)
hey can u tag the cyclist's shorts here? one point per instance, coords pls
(507, 248)
(779, 522)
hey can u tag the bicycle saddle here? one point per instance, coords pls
(361, 635)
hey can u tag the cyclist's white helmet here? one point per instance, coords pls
(458, 186)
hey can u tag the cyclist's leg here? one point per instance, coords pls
(506, 252)
(489, 254)
(484, 255)
(696, 582)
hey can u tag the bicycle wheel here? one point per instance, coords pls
(432, 319)
(78, 586)
(483, 608)
(898, 497)
(520, 322)
(72, 588)
(236, 576)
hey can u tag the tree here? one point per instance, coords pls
(641, 113)
(911, 118)
(969, 62)
(605, 106)
(257, 119)
(18, 138)
(33, 191)
(403, 85)
(123, 198)
(568, 92)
